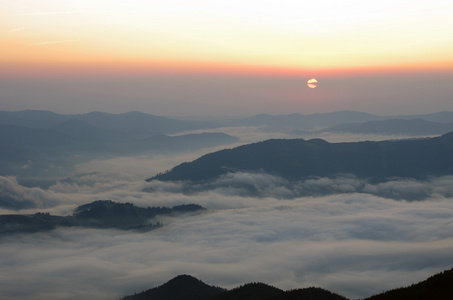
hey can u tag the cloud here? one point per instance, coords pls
(54, 42)
(15, 196)
(265, 185)
(344, 233)
(353, 244)
(47, 13)
(17, 29)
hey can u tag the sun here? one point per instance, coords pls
(312, 83)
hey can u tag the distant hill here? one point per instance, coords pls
(140, 124)
(185, 287)
(297, 159)
(132, 123)
(299, 123)
(409, 127)
(34, 141)
(98, 214)
(439, 117)
(291, 122)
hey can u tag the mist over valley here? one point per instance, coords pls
(349, 232)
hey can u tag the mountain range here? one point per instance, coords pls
(313, 123)
(33, 141)
(405, 127)
(186, 287)
(133, 123)
(44, 144)
(138, 124)
(298, 159)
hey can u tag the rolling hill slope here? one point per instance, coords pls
(299, 159)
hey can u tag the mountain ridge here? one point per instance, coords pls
(296, 159)
(183, 287)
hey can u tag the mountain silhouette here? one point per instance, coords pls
(439, 287)
(409, 127)
(182, 287)
(297, 159)
(186, 287)
(250, 291)
(311, 293)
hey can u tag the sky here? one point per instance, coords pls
(225, 58)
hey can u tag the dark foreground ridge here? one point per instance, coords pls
(185, 287)
(439, 287)
(98, 214)
(298, 159)
(181, 287)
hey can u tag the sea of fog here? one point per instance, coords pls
(355, 243)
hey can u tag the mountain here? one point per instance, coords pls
(311, 293)
(132, 123)
(291, 122)
(182, 287)
(250, 291)
(185, 287)
(141, 124)
(409, 127)
(98, 214)
(439, 117)
(313, 123)
(92, 133)
(43, 144)
(437, 287)
(297, 159)
(31, 118)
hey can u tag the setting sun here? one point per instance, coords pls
(312, 83)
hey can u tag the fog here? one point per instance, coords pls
(353, 244)
(356, 241)
(345, 234)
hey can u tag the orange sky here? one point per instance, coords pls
(283, 35)
(225, 57)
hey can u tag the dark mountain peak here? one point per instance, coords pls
(184, 279)
(318, 141)
(186, 287)
(182, 287)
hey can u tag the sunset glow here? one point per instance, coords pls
(288, 34)
(226, 57)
